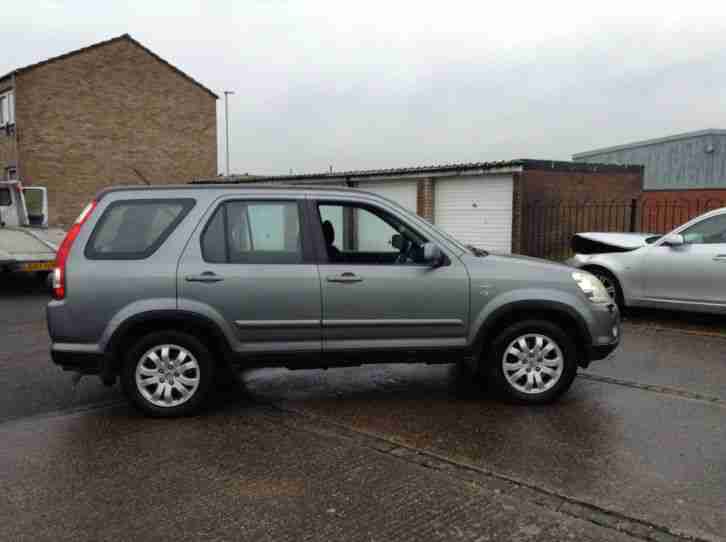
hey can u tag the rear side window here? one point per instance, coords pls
(254, 232)
(135, 229)
(5, 197)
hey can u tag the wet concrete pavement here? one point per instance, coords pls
(29, 383)
(243, 474)
(696, 364)
(641, 454)
(411, 452)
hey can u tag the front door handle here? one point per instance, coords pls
(720, 258)
(207, 276)
(346, 277)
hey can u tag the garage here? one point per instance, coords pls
(476, 210)
(402, 192)
(492, 205)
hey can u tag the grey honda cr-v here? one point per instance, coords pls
(161, 287)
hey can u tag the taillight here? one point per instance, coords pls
(61, 257)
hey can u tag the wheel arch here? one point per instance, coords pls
(552, 311)
(201, 327)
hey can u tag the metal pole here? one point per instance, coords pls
(226, 121)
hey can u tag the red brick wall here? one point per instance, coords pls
(88, 121)
(663, 210)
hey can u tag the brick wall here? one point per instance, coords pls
(579, 186)
(663, 210)
(108, 116)
(517, 214)
(545, 217)
(425, 199)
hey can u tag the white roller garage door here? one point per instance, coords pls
(477, 210)
(402, 192)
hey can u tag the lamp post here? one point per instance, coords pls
(226, 121)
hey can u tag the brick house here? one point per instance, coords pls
(485, 203)
(112, 113)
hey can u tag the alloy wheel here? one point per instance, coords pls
(533, 363)
(167, 375)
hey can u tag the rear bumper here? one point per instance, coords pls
(81, 358)
(27, 267)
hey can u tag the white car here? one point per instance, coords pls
(684, 269)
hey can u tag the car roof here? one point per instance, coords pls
(231, 186)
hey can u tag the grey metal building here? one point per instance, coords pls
(694, 160)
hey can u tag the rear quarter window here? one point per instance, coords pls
(135, 229)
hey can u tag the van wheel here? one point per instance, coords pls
(533, 362)
(168, 374)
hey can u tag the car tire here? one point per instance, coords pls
(612, 285)
(168, 374)
(539, 373)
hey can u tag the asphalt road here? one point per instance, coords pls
(636, 450)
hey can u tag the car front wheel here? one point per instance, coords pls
(168, 374)
(533, 361)
(611, 284)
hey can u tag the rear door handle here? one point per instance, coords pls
(720, 258)
(207, 276)
(346, 277)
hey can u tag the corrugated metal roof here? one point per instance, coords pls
(647, 142)
(522, 163)
(101, 44)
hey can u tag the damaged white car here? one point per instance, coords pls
(683, 270)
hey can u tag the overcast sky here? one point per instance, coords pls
(367, 84)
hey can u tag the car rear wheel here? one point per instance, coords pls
(533, 362)
(168, 374)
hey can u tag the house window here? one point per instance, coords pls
(7, 109)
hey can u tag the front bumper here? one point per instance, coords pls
(578, 260)
(601, 351)
(606, 332)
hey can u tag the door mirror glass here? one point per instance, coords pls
(433, 255)
(673, 240)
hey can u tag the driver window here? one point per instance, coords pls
(355, 234)
(707, 232)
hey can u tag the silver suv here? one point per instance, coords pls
(162, 287)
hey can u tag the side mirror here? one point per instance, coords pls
(433, 255)
(673, 240)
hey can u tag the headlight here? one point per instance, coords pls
(591, 287)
